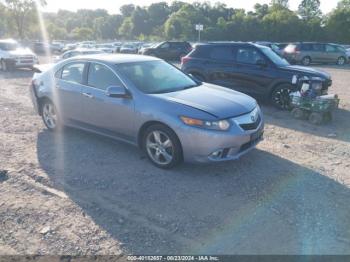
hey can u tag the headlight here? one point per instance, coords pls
(222, 125)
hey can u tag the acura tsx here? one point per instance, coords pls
(149, 103)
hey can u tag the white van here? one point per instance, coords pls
(12, 55)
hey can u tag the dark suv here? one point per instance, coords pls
(251, 69)
(307, 53)
(169, 50)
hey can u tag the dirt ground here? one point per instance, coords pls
(81, 194)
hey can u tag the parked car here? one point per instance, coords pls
(273, 46)
(78, 52)
(149, 103)
(107, 48)
(12, 55)
(117, 46)
(307, 53)
(251, 69)
(128, 49)
(145, 46)
(169, 50)
(57, 47)
(69, 47)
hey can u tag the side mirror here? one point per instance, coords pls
(261, 63)
(117, 92)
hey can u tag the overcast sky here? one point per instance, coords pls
(113, 5)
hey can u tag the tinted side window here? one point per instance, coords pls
(102, 77)
(318, 47)
(248, 55)
(201, 52)
(73, 72)
(165, 45)
(306, 47)
(222, 53)
(331, 48)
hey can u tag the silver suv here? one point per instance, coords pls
(307, 53)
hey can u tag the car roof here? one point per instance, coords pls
(117, 58)
(228, 44)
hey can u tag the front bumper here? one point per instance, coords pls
(21, 62)
(199, 144)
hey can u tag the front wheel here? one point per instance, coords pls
(162, 146)
(341, 61)
(50, 116)
(280, 97)
(316, 118)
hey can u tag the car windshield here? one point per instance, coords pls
(156, 77)
(8, 46)
(276, 59)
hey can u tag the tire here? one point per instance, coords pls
(298, 113)
(162, 146)
(316, 118)
(341, 61)
(306, 61)
(50, 116)
(280, 97)
(3, 65)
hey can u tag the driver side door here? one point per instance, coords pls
(102, 113)
(252, 78)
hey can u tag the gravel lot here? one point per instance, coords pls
(76, 193)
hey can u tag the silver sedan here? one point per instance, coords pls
(151, 104)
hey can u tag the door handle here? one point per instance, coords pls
(88, 95)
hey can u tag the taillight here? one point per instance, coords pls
(185, 59)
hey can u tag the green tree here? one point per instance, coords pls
(309, 9)
(126, 10)
(126, 28)
(83, 33)
(338, 25)
(21, 11)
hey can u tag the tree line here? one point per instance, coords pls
(270, 22)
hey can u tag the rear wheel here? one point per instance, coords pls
(280, 97)
(50, 116)
(306, 61)
(298, 113)
(341, 61)
(162, 146)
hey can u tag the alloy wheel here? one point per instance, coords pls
(160, 147)
(50, 115)
(281, 98)
(341, 61)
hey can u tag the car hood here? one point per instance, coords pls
(217, 101)
(307, 71)
(21, 51)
